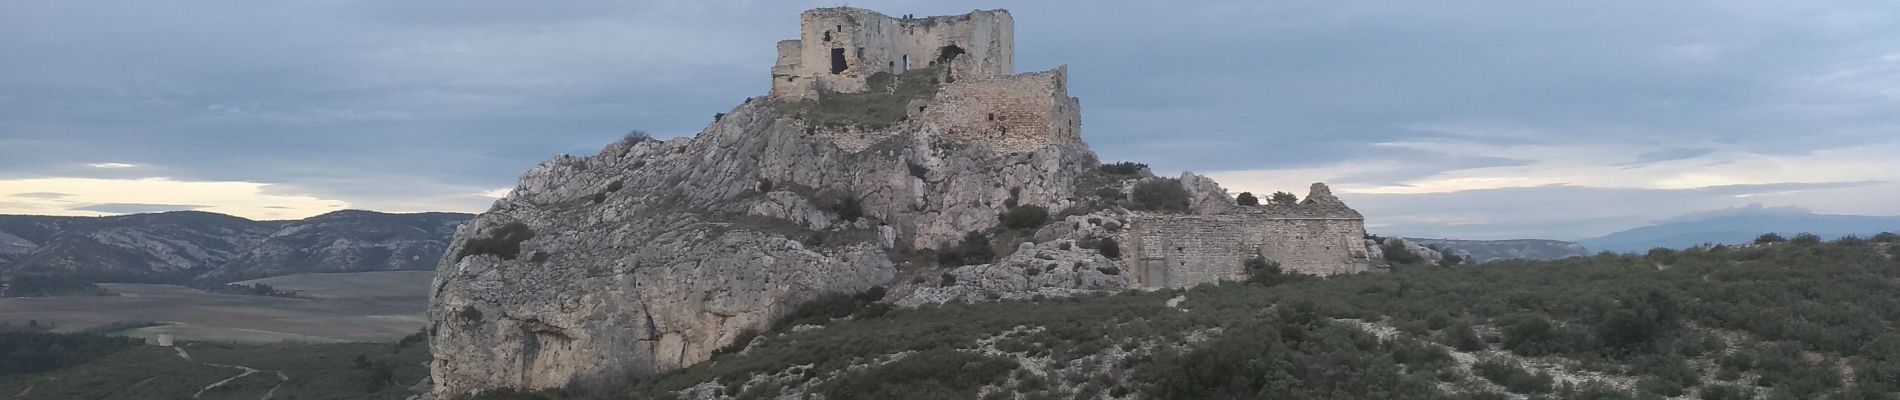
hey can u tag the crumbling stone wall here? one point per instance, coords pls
(1014, 113)
(1321, 238)
(839, 48)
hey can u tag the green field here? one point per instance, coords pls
(345, 307)
(309, 371)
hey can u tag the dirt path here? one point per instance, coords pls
(281, 378)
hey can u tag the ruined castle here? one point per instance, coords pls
(847, 50)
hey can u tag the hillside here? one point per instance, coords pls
(1739, 226)
(178, 247)
(1483, 251)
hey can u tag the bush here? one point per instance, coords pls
(974, 249)
(1886, 237)
(828, 307)
(1770, 238)
(504, 241)
(1247, 199)
(1464, 338)
(1284, 198)
(1724, 392)
(931, 374)
(1396, 253)
(1533, 335)
(1123, 168)
(1108, 246)
(1162, 194)
(637, 136)
(1263, 271)
(1513, 377)
(1026, 217)
(1806, 239)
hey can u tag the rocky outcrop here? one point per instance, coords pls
(649, 255)
(1483, 251)
(1430, 254)
(1057, 268)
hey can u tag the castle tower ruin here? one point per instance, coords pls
(840, 48)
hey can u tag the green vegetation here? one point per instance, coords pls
(255, 289)
(1025, 217)
(320, 371)
(974, 249)
(30, 352)
(1246, 199)
(1797, 312)
(1160, 194)
(1284, 198)
(1124, 168)
(504, 241)
(42, 285)
(882, 106)
(1396, 253)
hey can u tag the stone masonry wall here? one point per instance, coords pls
(1014, 113)
(866, 42)
(1186, 250)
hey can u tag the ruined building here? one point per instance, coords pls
(1319, 236)
(849, 50)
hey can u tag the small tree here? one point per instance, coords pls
(1263, 271)
(1111, 248)
(1026, 217)
(1768, 238)
(1284, 198)
(1247, 199)
(1806, 239)
(1886, 237)
(1165, 194)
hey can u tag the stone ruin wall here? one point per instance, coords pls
(1175, 251)
(871, 42)
(1014, 113)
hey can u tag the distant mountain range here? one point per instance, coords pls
(192, 246)
(1738, 226)
(1483, 251)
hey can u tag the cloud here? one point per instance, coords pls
(430, 105)
(112, 165)
(96, 196)
(135, 208)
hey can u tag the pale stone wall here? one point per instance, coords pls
(1014, 113)
(1188, 250)
(866, 42)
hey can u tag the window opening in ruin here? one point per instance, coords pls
(992, 116)
(837, 61)
(841, 28)
(906, 63)
(827, 36)
(893, 67)
(860, 52)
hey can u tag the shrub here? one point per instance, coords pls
(637, 136)
(930, 374)
(1533, 335)
(1806, 239)
(1263, 271)
(1396, 253)
(1026, 217)
(1513, 377)
(1769, 238)
(1724, 392)
(828, 307)
(1464, 338)
(1284, 198)
(1886, 237)
(1108, 246)
(504, 241)
(1247, 199)
(974, 249)
(1162, 194)
(1123, 168)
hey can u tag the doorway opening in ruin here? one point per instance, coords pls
(837, 61)
(947, 53)
(906, 63)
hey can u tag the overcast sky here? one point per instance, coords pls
(1501, 119)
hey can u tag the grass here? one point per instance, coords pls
(880, 107)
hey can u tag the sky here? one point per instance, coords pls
(1465, 119)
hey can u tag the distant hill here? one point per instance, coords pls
(1737, 226)
(179, 247)
(1483, 251)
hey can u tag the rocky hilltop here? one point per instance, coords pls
(945, 179)
(191, 246)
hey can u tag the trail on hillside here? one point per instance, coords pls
(247, 371)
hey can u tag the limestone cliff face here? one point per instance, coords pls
(650, 255)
